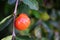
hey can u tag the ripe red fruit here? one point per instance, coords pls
(22, 22)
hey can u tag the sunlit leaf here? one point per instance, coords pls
(33, 4)
(5, 22)
(1, 22)
(45, 16)
(37, 32)
(7, 38)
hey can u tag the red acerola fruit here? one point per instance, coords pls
(22, 22)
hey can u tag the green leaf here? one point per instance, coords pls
(17, 38)
(5, 22)
(23, 8)
(7, 38)
(45, 26)
(8, 9)
(5, 19)
(35, 25)
(55, 24)
(44, 38)
(33, 4)
(40, 2)
(36, 14)
(23, 38)
(24, 32)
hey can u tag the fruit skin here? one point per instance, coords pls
(22, 22)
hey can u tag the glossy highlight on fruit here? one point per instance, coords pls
(22, 22)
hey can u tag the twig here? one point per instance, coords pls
(56, 35)
(15, 11)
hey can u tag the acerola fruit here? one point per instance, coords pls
(22, 22)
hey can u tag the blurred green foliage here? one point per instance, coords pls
(44, 15)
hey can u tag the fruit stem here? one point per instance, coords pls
(15, 11)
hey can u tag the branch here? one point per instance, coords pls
(15, 11)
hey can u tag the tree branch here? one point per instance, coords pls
(15, 11)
